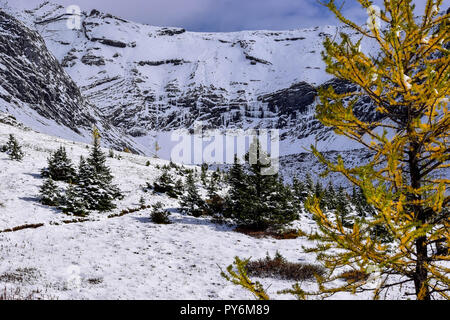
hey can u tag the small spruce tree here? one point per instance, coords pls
(95, 180)
(237, 179)
(204, 174)
(165, 184)
(73, 202)
(261, 200)
(191, 202)
(13, 149)
(159, 215)
(59, 167)
(49, 194)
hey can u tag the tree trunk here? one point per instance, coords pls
(421, 273)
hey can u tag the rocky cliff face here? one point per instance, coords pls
(36, 89)
(31, 75)
(146, 80)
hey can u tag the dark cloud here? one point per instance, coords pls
(222, 15)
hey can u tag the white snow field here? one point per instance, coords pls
(126, 257)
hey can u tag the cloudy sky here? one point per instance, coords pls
(222, 15)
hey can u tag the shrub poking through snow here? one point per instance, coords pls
(159, 215)
(354, 276)
(215, 204)
(204, 174)
(278, 267)
(142, 202)
(60, 167)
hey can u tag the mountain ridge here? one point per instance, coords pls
(148, 81)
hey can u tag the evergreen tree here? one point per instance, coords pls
(211, 188)
(179, 187)
(342, 209)
(191, 202)
(13, 149)
(281, 207)
(309, 184)
(299, 190)
(263, 200)
(97, 159)
(362, 207)
(239, 189)
(330, 197)
(86, 184)
(217, 176)
(319, 193)
(59, 167)
(165, 184)
(49, 194)
(215, 203)
(159, 215)
(94, 181)
(73, 202)
(203, 174)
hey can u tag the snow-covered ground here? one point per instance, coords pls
(126, 257)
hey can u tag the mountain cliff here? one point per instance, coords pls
(147, 81)
(35, 88)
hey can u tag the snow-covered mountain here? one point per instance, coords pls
(149, 80)
(36, 89)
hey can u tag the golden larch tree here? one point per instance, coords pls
(406, 179)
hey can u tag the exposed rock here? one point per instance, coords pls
(297, 98)
(291, 39)
(92, 60)
(175, 62)
(10, 120)
(32, 79)
(255, 60)
(171, 31)
(69, 59)
(112, 43)
(33, 76)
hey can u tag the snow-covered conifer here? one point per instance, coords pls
(13, 149)
(59, 167)
(49, 194)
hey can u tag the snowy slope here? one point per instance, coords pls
(125, 257)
